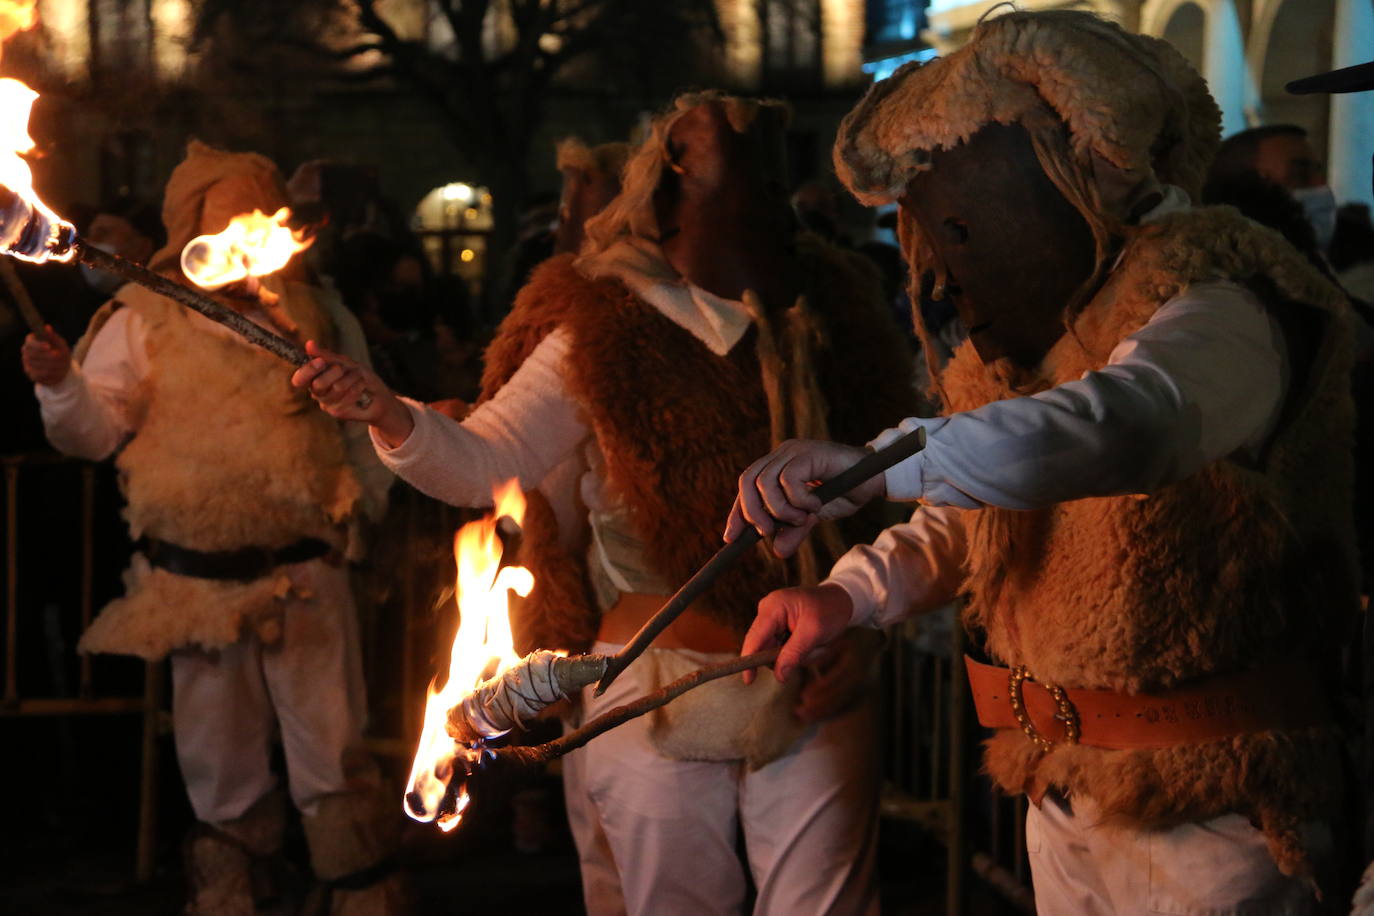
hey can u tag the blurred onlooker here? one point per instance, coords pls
(341, 201)
(1352, 250)
(386, 284)
(128, 228)
(1269, 204)
(591, 179)
(66, 295)
(534, 244)
(817, 207)
(1283, 155)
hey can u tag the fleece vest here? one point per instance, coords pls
(676, 423)
(1242, 563)
(225, 454)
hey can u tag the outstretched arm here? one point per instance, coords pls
(1203, 379)
(531, 425)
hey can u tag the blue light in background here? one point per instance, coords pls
(884, 67)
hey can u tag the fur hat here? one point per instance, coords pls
(1130, 101)
(208, 189)
(608, 158)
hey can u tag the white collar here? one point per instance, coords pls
(1175, 200)
(639, 264)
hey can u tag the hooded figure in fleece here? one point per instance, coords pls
(629, 385)
(245, 502)
(1141, 482)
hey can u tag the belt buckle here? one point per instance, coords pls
(1065, 712)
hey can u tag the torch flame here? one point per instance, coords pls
(30, 228)
(16, 101)
(17, 16)
(252, 245)
(482, 648)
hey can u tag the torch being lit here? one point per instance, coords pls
(482, 647)
(252, 245)
(490, 690)
(31, 231)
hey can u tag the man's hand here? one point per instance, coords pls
(839, 678)
(803, 619)
(777, 488)
(47, 358)
(348, 391)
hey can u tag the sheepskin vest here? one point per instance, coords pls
(1238, 565)
(226, 454)
(676, 423)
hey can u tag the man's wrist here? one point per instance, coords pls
(396, 425)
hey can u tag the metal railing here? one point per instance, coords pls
(931, 764)
(86, 700)
(930, 760)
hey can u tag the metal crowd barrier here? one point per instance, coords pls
(931, 765)
(930, 762)
(86, 700)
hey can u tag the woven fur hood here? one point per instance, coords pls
(1130, 100)
(676, 423)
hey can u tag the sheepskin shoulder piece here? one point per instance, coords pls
(1129, 99)
(676, 423)
(1238, 565)
(225, 454)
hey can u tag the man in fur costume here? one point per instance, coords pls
(245, 501)
(696, 325)
(1141, 483)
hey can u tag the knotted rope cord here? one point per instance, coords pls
(508, 700)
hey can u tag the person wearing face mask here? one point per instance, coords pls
(1141, 481)
(126, 228)
(696, 326)
(245, 504)
(1281, 155)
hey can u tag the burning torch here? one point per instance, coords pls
(470, 711)
(251, 246)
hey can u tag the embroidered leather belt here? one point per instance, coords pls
(242, 565)
(1282, 695)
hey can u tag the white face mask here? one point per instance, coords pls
(1319, 203)
(102, 281)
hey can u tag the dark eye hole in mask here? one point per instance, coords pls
(955, 231)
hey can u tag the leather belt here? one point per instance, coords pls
(694, 630)
(242, 565)
(1283, 695)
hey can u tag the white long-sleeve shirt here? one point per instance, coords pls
(87, 414)
(1203, 379)
(534, 424)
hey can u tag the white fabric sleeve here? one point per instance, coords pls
(374, 476)
(86, 415)
(527, 428)
(911, 568)
(1203, 379)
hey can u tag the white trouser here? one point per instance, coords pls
(809, 820)
(1216, 868)
(229, 705)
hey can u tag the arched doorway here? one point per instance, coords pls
(1297, 43)
(453, 222)
(1186, 30)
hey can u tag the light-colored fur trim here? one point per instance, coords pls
(226, 454)
(1129, 99)
(1225, 570)
(606, 158)
(632, 211)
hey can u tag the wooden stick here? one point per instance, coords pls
(20, 295)
(862, 470)
(542, 753)
(254, 333)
